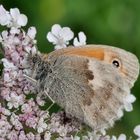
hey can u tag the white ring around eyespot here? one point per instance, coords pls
(116, 59)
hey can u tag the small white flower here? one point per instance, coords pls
(6, 77)
(137, 130)
(6, 112)
(18, 19)
(128, 107)
(47, 135)
(62, 131)
(40, 101)
(128, 102)
(13, 135)
(5, 127)
(59, 36)
(15, 100)
(8, 65)
(120, 113)
(4, 35)
(14, 119)
(4, 16)
(26, 108)
(41, 125)
(14, 30)
(113, 138)
(130, 98)
(30, 136)
(122, 137)
(80, 40)
(76, 138)
(31, 32)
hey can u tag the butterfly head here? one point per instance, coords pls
(39, 66)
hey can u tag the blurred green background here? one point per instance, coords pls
(109, 22)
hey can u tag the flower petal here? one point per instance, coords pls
(137, 130)
(82, 38)
(76, 42)
(4, 16)
(66, 33)
(60, 46)
(22, 20)
(14, 30)
(128, 107)
(31, 32)
(122, 137)
(8, 64)
(51, 38)
(56, 29)
(14, 13)
(130, 98)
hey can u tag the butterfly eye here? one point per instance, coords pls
(116, 63)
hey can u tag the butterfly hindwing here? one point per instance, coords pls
(93, 91)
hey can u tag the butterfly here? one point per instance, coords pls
(90, 82)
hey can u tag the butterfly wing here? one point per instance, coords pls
(88, 89)
(129, 63)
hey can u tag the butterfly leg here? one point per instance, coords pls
(35, 82)
(53, 102)
(30, 79)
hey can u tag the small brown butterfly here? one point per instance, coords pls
(90, 82)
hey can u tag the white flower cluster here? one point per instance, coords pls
(12, 18)
(19, 113)
(60, 37)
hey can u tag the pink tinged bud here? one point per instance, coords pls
(7, 77)
(32, 122)
(5, 93)
(15, 57)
